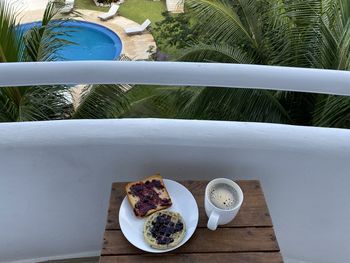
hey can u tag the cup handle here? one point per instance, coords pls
(213, 221)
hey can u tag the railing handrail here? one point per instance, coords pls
(176, 74)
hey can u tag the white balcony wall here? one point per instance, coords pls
(56, 176)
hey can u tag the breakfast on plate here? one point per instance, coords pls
(164, 229)
(148, 196)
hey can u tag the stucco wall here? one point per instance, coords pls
(56, 176)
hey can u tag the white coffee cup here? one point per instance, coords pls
(218, 216)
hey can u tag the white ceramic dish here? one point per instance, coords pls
(183, 202)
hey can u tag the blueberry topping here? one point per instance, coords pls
(148, 196)
(179, 226)
(162, 229)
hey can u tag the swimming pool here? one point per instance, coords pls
(93, 41)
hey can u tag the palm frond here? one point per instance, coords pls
(44, 41)
(51, 11)
(299, 105)
(45, 103)
(323, 48)
(39, 43)
(344, 49)
(151, 102)
(175, 102)
(10, 44)
(102, 101)
(9, 105)
(280, 35)
(34, 103)
(220, 20)
(313, 33)
(248, 10)
(219, 53)
(344, 10)
(332, 111)
(234, 104)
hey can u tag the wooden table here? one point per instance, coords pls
(248, 238)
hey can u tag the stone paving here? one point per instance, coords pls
(28, 4)
(175, 6)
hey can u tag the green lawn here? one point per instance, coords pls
(89, 4)
(140, 10)
(136, 10)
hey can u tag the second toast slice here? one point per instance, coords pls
(148, 196)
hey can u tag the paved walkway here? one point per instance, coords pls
(175, 6)
(135, 47)
(29, 5)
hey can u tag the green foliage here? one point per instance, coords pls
(332, 111)
(175, 30)
(33, 102)
(233, 105)
(10, 47)
(151, 102)
(101, 101)
(42, 43)
(313, 34)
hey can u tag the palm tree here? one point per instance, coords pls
(41, 43)
(299, 33)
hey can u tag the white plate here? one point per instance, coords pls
(183, 203)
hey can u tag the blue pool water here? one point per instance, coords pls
(93, 42)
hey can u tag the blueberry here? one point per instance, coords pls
(161, 241)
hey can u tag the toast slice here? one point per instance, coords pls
(148, 196)
(164, 229)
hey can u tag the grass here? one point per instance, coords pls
(89, 4)
(136, 10)
(140, 10)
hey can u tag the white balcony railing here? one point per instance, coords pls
(177, 74)
(56, 175)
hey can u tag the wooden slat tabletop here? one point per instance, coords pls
(248, 238)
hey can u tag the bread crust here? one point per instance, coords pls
(163, 194)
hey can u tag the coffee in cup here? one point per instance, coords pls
(223, 199)
(223, 196)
